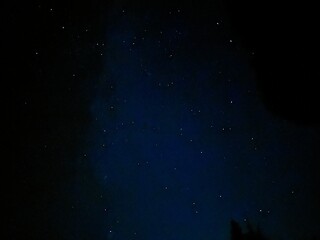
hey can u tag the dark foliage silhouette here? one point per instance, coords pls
(250, 234)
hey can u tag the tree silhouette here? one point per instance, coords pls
(251, 234)
(236, 232)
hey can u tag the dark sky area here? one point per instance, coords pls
(163, 120)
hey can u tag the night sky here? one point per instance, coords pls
(163, 121)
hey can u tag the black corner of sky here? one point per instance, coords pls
(285, 39)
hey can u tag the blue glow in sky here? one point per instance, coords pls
(182, 143)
